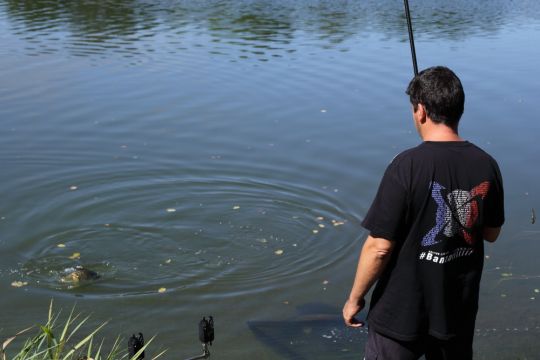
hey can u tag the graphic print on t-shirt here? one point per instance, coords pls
(456, 213)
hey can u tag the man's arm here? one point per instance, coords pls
(373, 259)
(491, 234)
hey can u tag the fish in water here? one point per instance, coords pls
(533, 216)
(79, 274)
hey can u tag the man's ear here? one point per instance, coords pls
(421, 113)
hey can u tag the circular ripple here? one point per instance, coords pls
(117, 253)
(219, 236)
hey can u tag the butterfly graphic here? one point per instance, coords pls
(457, 213)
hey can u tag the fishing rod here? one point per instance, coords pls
(411, 37)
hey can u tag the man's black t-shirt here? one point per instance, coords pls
(433, 202)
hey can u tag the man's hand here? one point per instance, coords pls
(350, 309)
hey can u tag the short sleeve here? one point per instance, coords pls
(494, 202)
(386, 216)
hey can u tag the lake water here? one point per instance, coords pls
(226, 152)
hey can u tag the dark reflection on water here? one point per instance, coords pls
(133, 27)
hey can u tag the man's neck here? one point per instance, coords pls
(440, 132)
(442, 137)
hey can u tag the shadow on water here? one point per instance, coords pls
(126, 26)
(317, 331)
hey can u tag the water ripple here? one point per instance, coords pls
(206, 236)
(261, 29)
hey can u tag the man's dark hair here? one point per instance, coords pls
(441, 93)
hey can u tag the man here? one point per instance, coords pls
(435, 205)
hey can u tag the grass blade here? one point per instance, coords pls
(8, 341)
(84, 341)
(138, 353)
(81, 323)
(159, 355)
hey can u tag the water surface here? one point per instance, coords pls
(227, 151)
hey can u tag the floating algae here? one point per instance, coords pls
(19, 283)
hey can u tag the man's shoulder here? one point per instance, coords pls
(406, 155)
(432, 153)
(464, 160)
(482, 151)
(400, 166)
(434, 147)
(479, 154)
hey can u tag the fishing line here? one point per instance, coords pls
(411, 37)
